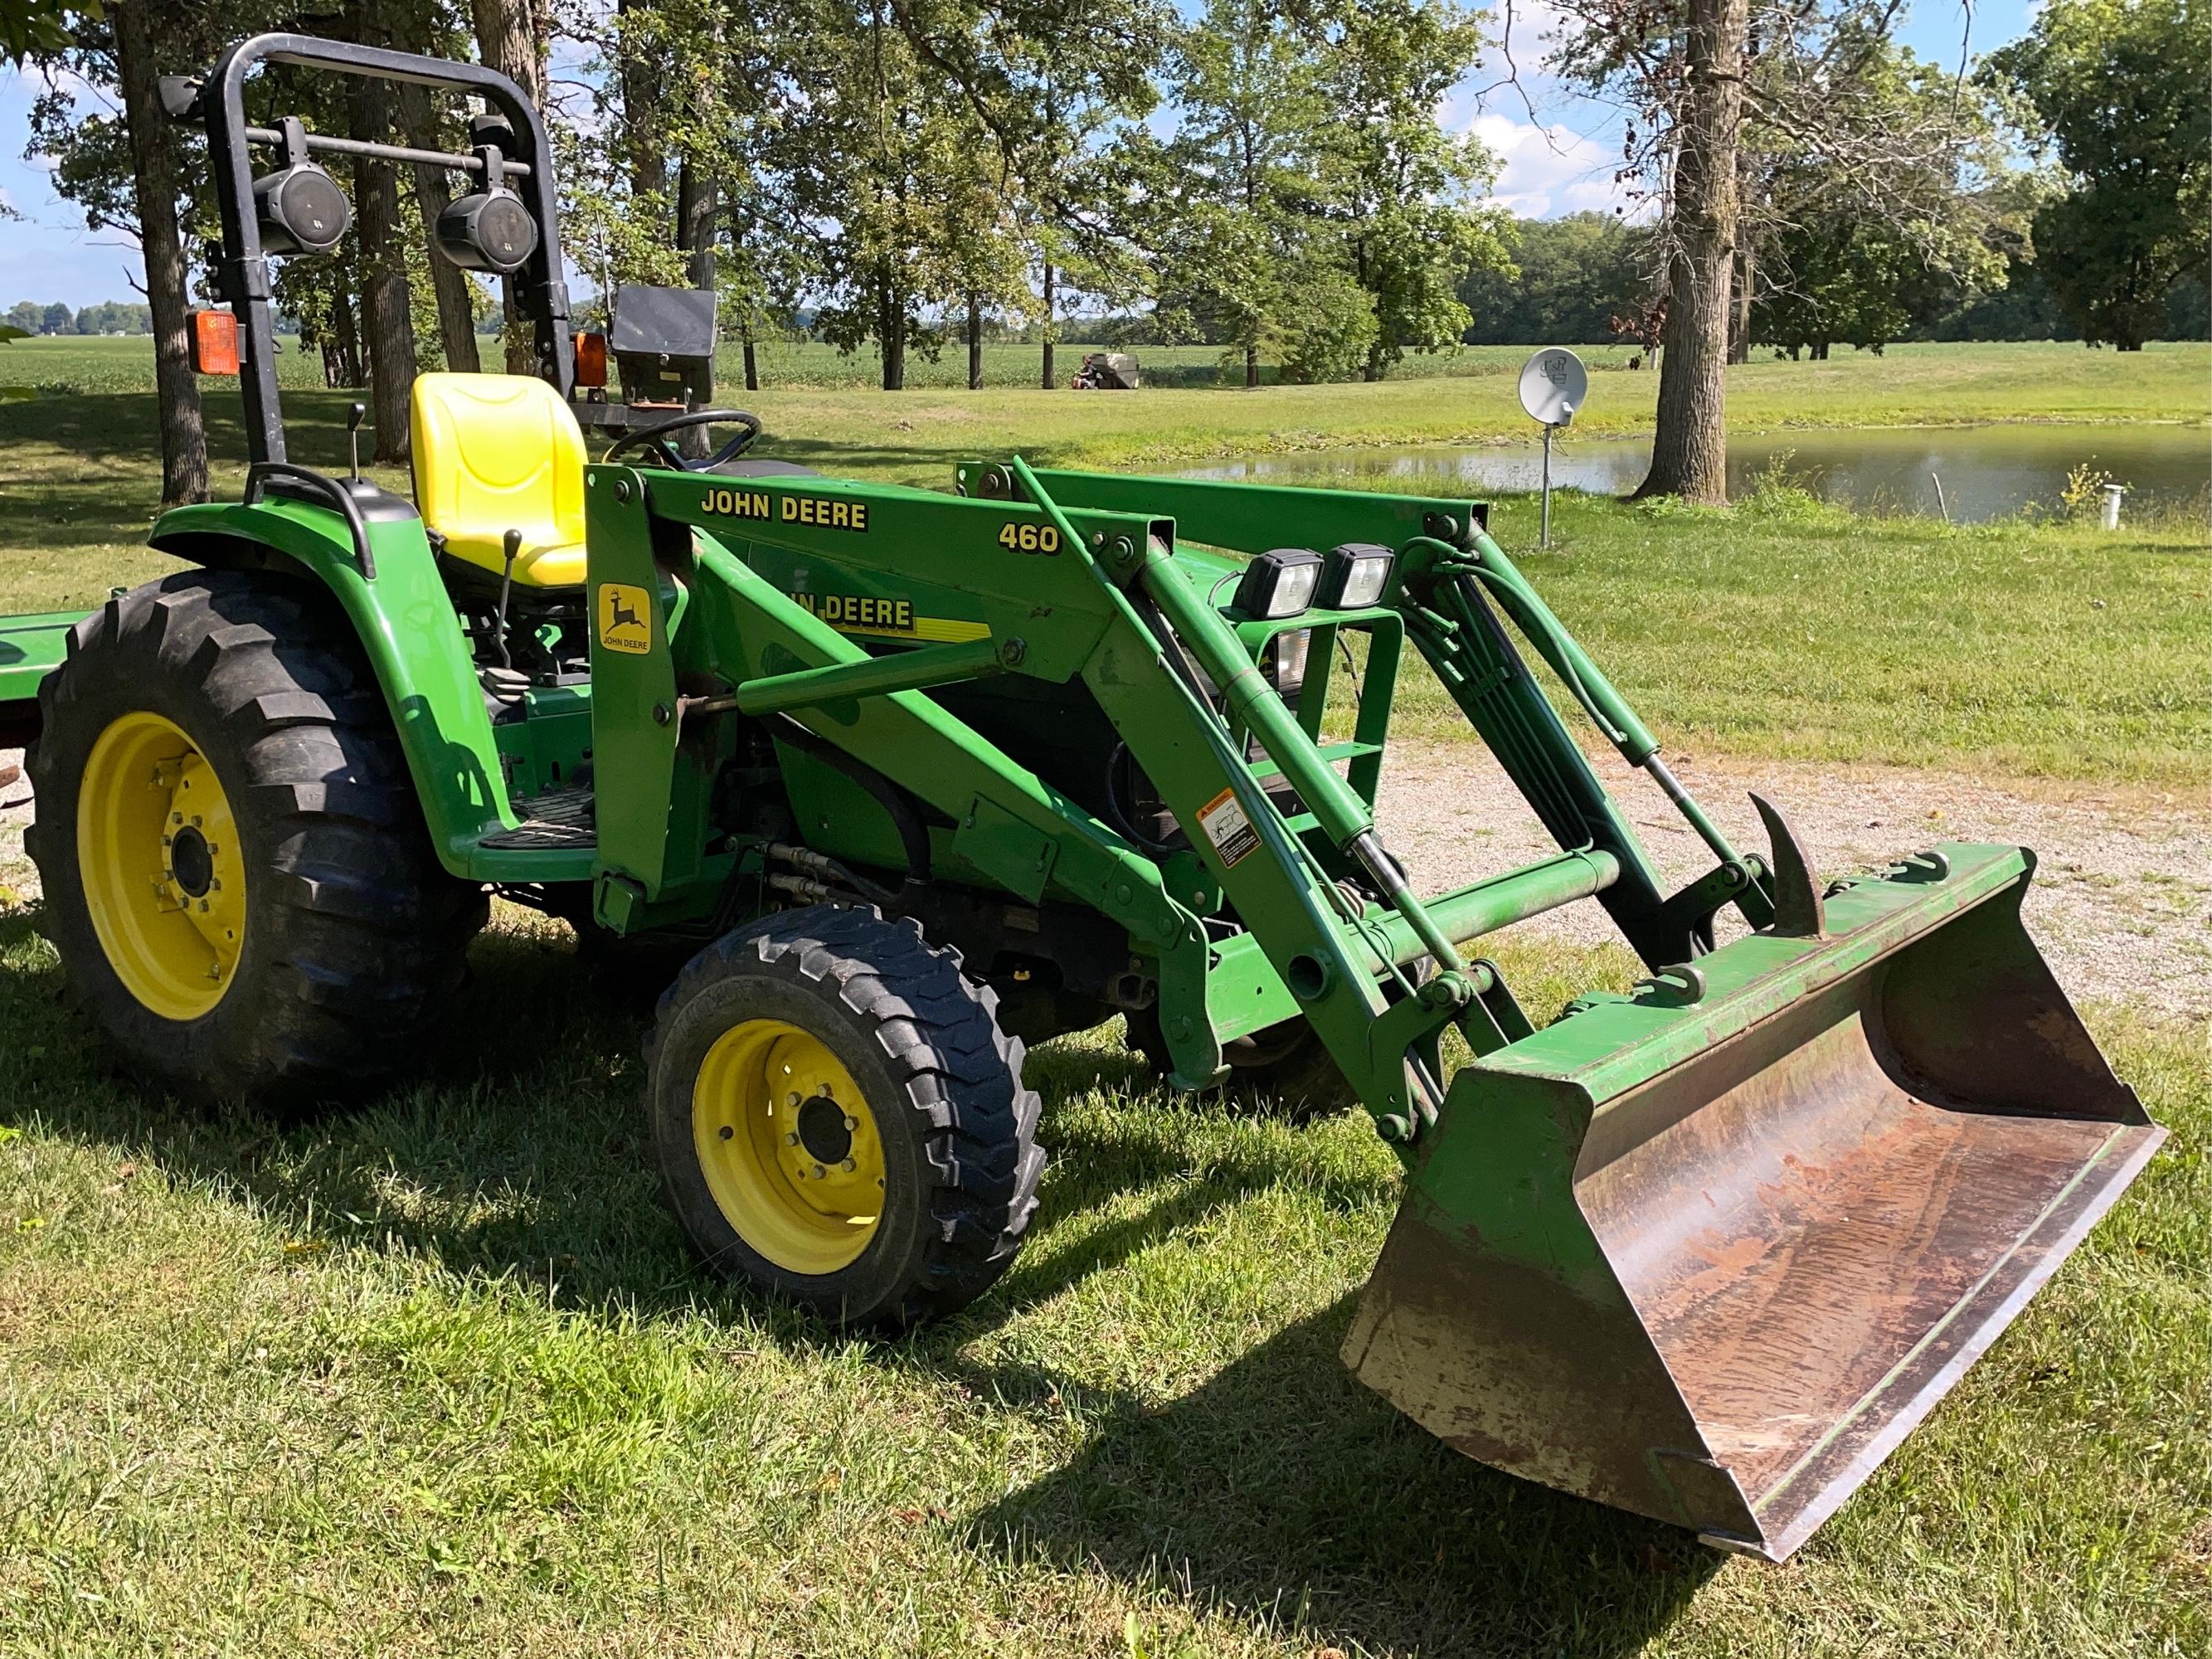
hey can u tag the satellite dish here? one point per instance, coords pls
(1553, 384)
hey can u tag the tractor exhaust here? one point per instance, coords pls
(1709, 1252)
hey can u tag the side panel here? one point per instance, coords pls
(407, 626)
(31, 647)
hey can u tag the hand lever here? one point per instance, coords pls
(354, 415)
(510, 544)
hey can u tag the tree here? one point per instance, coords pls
(27, 315)
(2119, 91)
(1568, 278)
(29, 26)
(1399, 186)
(1689, 438)
(56, 320)
(386, 316)
(874, 155)
(511, 37)
(1231, 192)
(1052, 85)
(1843, 254)
(123, 167)
(1715, 85)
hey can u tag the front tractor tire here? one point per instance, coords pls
(237, 874)
(839, 1120)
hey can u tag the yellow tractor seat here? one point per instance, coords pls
(496, 453)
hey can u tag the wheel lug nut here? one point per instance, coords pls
(851, 1123)
(820, 1174)
(792, 1098)
(791, 1140)
(848, 1166)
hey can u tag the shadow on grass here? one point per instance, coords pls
(1280, 1492)
(1283, 1493)
(521, 1148)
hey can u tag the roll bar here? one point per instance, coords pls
(539, 290)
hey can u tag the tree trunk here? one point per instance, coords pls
(346, 340)
(890, 332)
(1739, 321)
(975, 343)
(457, 319)
(390, 328)
(153, 180)
(1689, 447)
(641, 123)
(752, 365)
(1251, 367)
(696, 196)
(1045, 377)
(511, 37)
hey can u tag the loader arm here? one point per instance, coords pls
(1707, 1251)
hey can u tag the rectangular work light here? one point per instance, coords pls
(1355, 575)
(1279, 583)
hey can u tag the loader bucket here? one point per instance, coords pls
(1710, 1260)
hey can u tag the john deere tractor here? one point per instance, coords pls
(919, 777)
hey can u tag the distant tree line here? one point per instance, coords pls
(109, 317)
(1575, 278)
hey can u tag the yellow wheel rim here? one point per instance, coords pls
(157, 854)
(788, 1147)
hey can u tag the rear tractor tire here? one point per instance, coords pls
(237, 874)
(1284, 1072)
(839, 1119)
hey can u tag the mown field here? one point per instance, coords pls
(1463, 396)
(435, 1375)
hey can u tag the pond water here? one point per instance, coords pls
(1987, 471)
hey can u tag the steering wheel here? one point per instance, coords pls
(655, 437)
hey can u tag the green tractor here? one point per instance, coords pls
(918, 777)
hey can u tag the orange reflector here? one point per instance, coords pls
(214, 343)
(591, 360)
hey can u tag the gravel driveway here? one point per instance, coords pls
(2122, 902)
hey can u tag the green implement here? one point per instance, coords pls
(917, 778)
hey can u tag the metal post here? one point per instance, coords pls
(1546, 540)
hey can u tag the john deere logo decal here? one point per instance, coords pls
(625, 618)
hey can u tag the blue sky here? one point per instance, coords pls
(1558, 161)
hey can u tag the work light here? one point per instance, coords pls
(1355, 575)
(1280, 582)
(1285, 661)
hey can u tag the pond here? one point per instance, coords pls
(1987, 471)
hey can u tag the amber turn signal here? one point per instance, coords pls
(214, 343)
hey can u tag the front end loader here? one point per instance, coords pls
(919, 777)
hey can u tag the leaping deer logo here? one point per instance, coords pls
(623, 616)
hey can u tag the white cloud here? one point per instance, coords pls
(1547, 170)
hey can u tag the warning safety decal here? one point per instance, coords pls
(1227, 828)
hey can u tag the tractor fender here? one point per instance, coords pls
(408, 629)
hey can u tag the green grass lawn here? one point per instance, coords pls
(436, 1375)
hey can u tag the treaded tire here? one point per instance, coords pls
(355, 936)
(1284, 1072)
(942, 1084)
